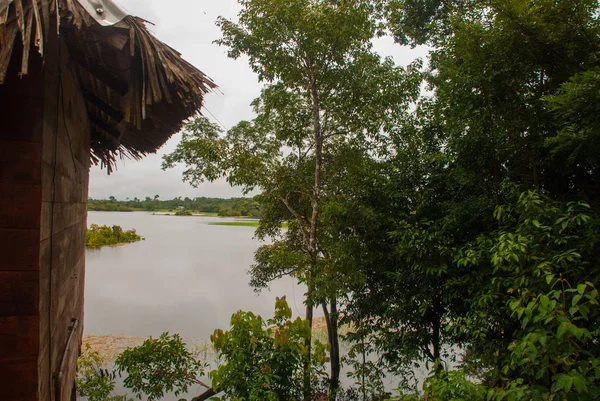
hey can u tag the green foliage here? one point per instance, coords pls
(465, 217)
(236, 223)
(443, 385)
(229, 213)
(91, 381)
(98, 236)
(548, 326)
(159, 366)
(453, 385)
(328, 97)
(264, 360)
(514, 88)
(241, 206)
(576, 104)
(183, 213)
(556, 356)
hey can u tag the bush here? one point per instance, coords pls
(92, 381)
(183, 213)
(263, 360)
(160, 366)
(445, 385)
(98, 236)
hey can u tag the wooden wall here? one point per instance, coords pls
(44, 169)
(21, 131)
(64, 172)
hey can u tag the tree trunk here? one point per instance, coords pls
(436, 340)
(334, 354)
(312, 240)
(436, 329)
(308, 342)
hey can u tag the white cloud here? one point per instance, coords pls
(189, 27)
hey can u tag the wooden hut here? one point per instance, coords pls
(81, 82)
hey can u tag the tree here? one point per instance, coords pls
(92, 381)
(327, 89)
(264, 360)
(514, 87)
(160, 366)
(545, 270)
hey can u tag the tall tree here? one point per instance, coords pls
(326, 87)
(514, 100)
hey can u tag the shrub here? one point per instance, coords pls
(263, 360)
(98, 236)
(183, 213)
(92, 381)
(160, 366)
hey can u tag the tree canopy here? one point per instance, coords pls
(456, 224)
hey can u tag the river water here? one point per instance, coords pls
(187, 277)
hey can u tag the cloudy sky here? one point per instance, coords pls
(189, 27)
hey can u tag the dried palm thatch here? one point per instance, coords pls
(139, 91)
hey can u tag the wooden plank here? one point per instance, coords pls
(68, 190)
(45, 221)
(19, 94)
(68, 302)
(106, 127)
(102, 105)
(20, 161)
(19, 294)
(67, 215)
(68, 160)
(19, 337)
(19, 249)
(15, 126)
(19, 380)
(110, 80)
(20, 205)
(44, 374)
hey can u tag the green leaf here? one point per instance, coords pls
(581, 288)
(564, 382)
(563, 329)
(580, 383)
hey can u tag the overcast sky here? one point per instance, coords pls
(189, 27)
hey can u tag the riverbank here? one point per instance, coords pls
(110, 346)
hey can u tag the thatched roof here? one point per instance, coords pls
(139, 91)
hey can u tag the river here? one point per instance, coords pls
(187, 277)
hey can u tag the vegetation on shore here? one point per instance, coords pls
(183, 213)
(233, 207)
(99, 236)
(241, 224)
(268, 351)
(236, 223)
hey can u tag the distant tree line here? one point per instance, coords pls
(223, 207)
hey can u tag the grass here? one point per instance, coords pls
(240, 224)
(236, 223)
(173, 213)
